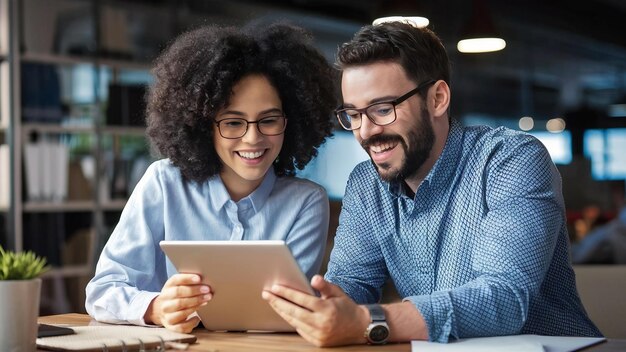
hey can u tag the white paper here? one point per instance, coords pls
(60, 169)
(5, 89)
(33, 167)
(513, 343)
(5, 176)
(47, 175)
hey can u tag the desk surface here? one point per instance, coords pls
(209, 341)
(229, 341)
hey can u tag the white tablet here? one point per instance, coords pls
(237, 272)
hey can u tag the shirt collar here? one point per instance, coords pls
(219, 195)
(444, 167)
(259, 196)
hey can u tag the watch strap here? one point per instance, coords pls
(378, 331)
(376, 312)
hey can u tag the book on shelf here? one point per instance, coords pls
(75, 31)
(79, 186)
(41, 93)
(43, 233)
(5, 176)
(46, 165)
(115, 33)
(59, 172)
(4, 27)
(127, 105)
(116, 338)
(33, 171)
(53, 234)
(5, 94)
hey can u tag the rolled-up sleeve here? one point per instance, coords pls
(131, 268)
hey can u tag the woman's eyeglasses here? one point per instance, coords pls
(233, 128)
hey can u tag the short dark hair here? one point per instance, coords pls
(194, 79)
(419, 51)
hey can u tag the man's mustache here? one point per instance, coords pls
(379, 139)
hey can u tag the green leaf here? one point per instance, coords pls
(21, 266)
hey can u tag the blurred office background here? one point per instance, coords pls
(74, 72)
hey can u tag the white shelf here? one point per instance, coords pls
(62, 129)
(123, 130)
(72, 206)
(68, 271)
(114, 205)
(125, 65)
(56, 59)
(51, 207)
(47, 58)
(55, 129)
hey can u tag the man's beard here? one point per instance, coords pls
(421, 140)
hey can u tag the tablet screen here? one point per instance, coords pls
(238, 272)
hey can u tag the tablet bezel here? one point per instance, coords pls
(238, 272)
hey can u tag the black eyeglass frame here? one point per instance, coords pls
(248, 123)
(394, 103)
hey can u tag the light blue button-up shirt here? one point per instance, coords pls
(482, 248)
(132, 269)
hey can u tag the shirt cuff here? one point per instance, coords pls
(139, 306)
(437, 311)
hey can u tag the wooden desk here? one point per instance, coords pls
(231, 341)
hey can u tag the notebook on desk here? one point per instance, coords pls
(238, 272)
(115, 338)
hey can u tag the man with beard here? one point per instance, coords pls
(468, 222)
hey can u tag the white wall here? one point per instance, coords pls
(602, 289)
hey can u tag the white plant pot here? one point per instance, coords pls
(19, 309)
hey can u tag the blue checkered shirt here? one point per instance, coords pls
(482, 248)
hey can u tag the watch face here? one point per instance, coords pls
(379, 333)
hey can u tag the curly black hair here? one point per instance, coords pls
(194, 78)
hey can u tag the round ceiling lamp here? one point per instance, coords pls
(415, 21)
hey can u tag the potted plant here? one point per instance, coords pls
(20, 289)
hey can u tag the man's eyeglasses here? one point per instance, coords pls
(381, 114)
(234, 128)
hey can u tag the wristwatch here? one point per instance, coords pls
(377, 332)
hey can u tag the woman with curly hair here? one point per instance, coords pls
(235, 112)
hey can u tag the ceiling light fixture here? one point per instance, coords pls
(415, 21)
(555, 125)
(480, 35)
(526, 123)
